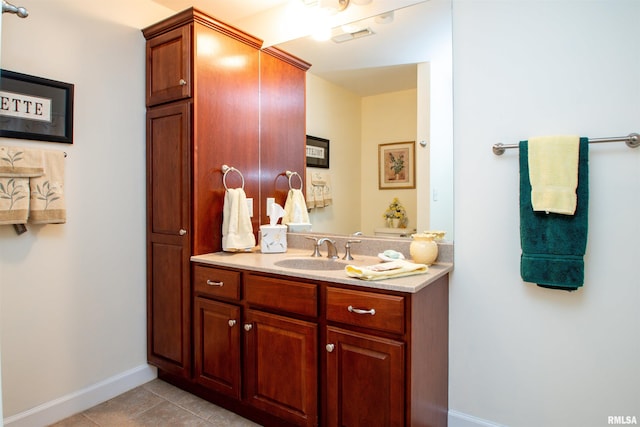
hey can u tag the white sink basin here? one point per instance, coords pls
(311, 264)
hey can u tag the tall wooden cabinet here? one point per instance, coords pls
(203, 94)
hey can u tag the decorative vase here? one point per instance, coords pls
(423, 248)
(393, 222)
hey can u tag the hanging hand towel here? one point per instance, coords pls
(319, 194)
(295, 208)
(14, 200)
(237, 232)
(553, 245)
(20, 162)
(553, 173)
(47, 192)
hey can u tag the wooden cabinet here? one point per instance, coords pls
(387, 357)
(365, 379)
(203, 111)
(277, 371)
(169, 66)
(169, 243)
(321, 354)
(281, 366)
(217, 329)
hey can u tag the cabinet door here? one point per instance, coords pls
(168, 245)
(282, 127)
(282, 366)
(365, 380)
(216, 329)
(169, 66)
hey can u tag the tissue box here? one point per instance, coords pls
(273, 238)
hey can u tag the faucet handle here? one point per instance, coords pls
(347, 249)
(316, 246)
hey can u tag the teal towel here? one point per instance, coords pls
(553, 245)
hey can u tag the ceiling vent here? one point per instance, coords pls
(345, 37)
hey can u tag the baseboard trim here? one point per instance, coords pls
(65, 406)
(459, 419)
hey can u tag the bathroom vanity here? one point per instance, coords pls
(315, 347)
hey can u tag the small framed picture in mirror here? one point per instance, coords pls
(317, 152)
(396, 165)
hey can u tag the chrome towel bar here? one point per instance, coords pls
(632, 140)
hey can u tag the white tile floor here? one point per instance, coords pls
(156, 404)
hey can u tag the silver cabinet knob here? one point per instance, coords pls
(330, 347)
(232, 323)
(183, 82)
(182, 232)
(248, 327)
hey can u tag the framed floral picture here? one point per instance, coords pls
(396, 165)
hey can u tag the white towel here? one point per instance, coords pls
(47, 192)
(14, 200)
(319, 194)
(20, 162)
(237, 232)
(295, 208)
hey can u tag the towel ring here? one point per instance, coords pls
(290, 175)
(226, 169)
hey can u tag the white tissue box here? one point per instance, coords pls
(299, 227)
(273, 238)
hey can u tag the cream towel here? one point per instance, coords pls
(319, 194)
(553, 173)
(386, 270)
(20, 162)
(14, 200)
(47, 192)
(295, 208)
(237, 232)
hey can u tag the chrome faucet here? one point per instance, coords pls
(332, 251)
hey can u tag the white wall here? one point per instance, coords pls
(521, 355)
(334, 113)
(386, 118)
(73, 295)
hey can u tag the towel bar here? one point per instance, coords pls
(226, 169)
(290, 175)
(632, 140)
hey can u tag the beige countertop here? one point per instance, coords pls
(265, 263)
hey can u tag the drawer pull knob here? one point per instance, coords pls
(212, 283)
(182, 232)
(248, 327)
(330, 347)
(183, 82)
(361, 311)
(232, 323)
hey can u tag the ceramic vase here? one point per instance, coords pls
(423, 248)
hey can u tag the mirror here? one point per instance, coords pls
(392, 86)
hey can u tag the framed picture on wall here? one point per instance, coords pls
(396, 165)
(317, 152)
(35, 108)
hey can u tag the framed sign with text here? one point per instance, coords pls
(317, 152)
(35, 108)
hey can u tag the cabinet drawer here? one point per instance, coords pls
(366, 309)
(280, 294)
(216, 282)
